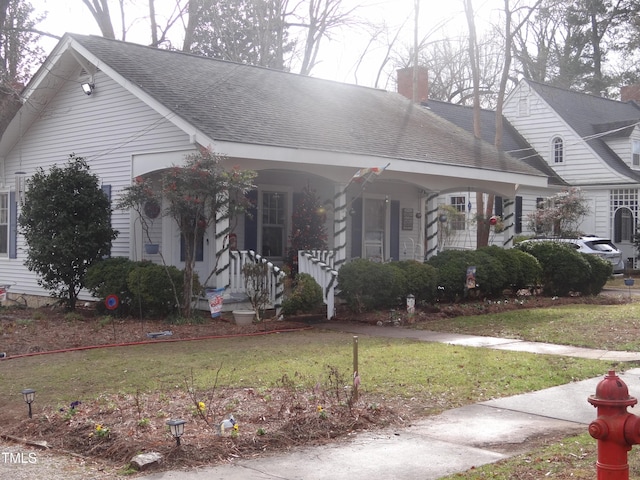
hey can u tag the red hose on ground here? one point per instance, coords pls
(149, 342)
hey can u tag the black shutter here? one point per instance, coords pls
(518, 214)
(394, 241)
(251, 223)
(13, 225)
(356, 228)
(497, 207)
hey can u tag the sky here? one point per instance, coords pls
(338, 55)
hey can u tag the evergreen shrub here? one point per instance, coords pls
(306, 296)
(366, 285)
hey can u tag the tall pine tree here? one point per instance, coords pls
(309, 231)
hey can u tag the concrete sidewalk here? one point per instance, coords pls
(478, 341)
(451, 442)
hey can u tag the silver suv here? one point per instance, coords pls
(592, 245)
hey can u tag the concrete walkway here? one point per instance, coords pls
(451, 442)
(477, 341)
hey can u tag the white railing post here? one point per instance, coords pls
(319, 265)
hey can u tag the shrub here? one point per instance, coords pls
(490, 275)
(152, 290)
(452, 271)
(510, 264)
(366, 285)
(530, 272)
(109, 277)
(420, 280)
(601, 270)
(564, 269)
(306, 296)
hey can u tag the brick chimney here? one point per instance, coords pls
(405, 83)
(630, 92)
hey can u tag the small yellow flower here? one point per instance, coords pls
(320, 409)
(201, 406)
(98, 427)
(236, 427)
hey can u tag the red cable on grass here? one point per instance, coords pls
(150, 342)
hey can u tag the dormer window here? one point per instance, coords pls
(557, 149)
(635, 153)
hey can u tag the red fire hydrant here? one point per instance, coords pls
(615, 429)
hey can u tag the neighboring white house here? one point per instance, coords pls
(578, 140)
(132, 111)
(590, 142)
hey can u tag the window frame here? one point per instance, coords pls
(635, 153)
(5, 223)
(557, 150)
(459, 203)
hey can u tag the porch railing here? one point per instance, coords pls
(320, 265)
(275, 280)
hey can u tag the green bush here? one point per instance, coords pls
(601, 271)
(140, 286)
(366, 285)
(452, 273)
(420, 280)
(306, 296)
(152, 290)
(530, 272)
(510, 264)
(564, 269)
(490, 274)
(109, 277)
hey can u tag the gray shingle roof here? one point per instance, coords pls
(589, 115)
(254, 105)
(512, 141)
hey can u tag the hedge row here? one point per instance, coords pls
(556, 268)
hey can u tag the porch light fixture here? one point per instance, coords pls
(29, 395)
(88, 88)
(177, 428)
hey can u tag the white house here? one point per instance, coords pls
(590, 142)
(132, 111)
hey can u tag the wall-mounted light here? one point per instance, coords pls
(88, 88)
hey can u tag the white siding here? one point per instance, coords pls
(581, 165)
(106, 128)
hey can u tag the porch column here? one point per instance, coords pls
(340, 225)
(432, 224)
(509, 221)
(222, 231)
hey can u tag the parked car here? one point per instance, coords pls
(592, 245)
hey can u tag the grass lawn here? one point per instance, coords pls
(423, 378)
(436, 376)
(609, 327)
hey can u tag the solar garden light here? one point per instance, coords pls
(29, 395)
(177, 429)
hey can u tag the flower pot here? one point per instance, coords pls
(152, 248)
(244, 317)
(629, 282)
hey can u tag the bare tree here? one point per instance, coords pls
(100, 11)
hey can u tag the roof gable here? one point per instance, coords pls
(512, 142)
(594, 119)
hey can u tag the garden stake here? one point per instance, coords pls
(356, 377)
